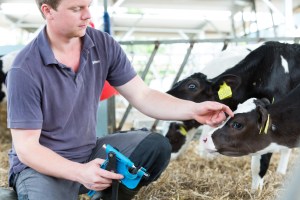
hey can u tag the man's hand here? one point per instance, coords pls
(211, 113)
(95, 178)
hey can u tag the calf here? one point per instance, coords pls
(2, 80)
(257, 75)
(270, 71)
(176, 135)
(179, 137)
(5, 64)
(258, 128)
(222, 61)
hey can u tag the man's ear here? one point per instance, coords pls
(263, 119)
(46, 11)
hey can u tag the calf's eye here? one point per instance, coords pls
(237, 125)
(192, 86)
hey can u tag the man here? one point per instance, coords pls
(53, 90)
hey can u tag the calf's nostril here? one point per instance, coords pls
(205, 140)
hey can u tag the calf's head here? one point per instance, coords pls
(198, 88)
(176, 135)
(248, 132)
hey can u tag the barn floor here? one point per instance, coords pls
(191, 177)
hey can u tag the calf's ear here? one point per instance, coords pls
(231, 80)
(263, 119)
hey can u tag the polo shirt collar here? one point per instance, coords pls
(87, 41)
(46, 51)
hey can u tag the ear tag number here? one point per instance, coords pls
(224, 91)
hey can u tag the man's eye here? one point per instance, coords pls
(237, 125)
(76, 9)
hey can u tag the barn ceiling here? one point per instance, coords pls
(166, 19)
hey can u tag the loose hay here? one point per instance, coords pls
(190, 177)
(4, 132)
(5, 141)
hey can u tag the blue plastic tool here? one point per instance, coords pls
(132, 175)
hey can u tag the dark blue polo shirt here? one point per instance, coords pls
(45, 94)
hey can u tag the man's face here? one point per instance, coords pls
(71, 18)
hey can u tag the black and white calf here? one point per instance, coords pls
(5, 64)
(221, 61)
(2, 80)
(180, 135)
(269, 71)
(258, 128)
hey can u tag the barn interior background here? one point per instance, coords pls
(167, 41)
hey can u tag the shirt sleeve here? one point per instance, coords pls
(23, 101)
(120, 68)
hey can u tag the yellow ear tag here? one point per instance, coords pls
(182, 131)
(260, 130)
(224, 91)
(266, 126)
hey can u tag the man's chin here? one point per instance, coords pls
(80, 33)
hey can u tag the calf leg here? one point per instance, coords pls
(284, 160)
(259, 167)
